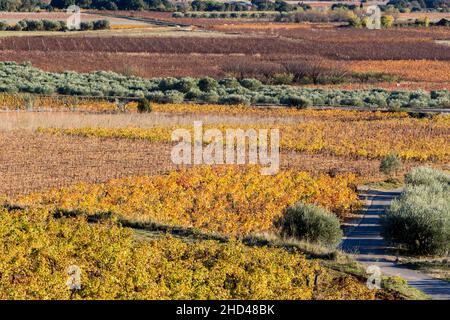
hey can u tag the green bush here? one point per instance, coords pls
(168, 83)
(3, 26)
(207, 84)
(193, 94)
(419, 220)
(311, 223)
(172, 96)
(88, 25)
(101, 24)
(296, 101)
(177, 15)
(51, 25)
(426, 176)
(185, 85)
(229, 83)
(209, 97)
(34, 25)
(234, 99)
(21, 25)
(144, 106)
(251, 84)
(390, 164)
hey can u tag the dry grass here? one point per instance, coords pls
(35, 120)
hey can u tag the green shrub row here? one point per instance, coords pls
(419, 221)
(24, 78)
(52, 25)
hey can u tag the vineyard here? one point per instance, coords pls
(88, 180)
(237, 202)
(419, 140)
(253, 47)
(114, 266)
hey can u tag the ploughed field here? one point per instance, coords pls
(229, 46)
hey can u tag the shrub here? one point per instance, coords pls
(172, 96)
(390, 164)
(21, 25)
(296, 101)
(88, 25)
(185, 85)
(207, 84)
(251, 84)
(51, 25)
(311, 223)
(209, 97)
(144, 106)
(101, 24)
(177, 15)
(262, 99)
(234, 99)
(426, 176)
(387, 21)
(3, 26)
(35, 25)
(420, 220)
(193, 94)
(168, 83)
(230, 83)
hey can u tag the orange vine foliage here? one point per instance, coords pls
(228, 199)
(415, 70)
(411, 139)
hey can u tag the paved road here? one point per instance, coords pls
(363, 240)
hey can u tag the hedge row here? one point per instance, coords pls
(24, 78)
(52, 25)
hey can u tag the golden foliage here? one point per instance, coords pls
(411, 139)
(228, 199)
(74, 103)
(36, 251)
(415, 70)
(65, 103)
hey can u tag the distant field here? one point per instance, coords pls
(221, 47)
(61, 158)
(433, 16)
(14, 17)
